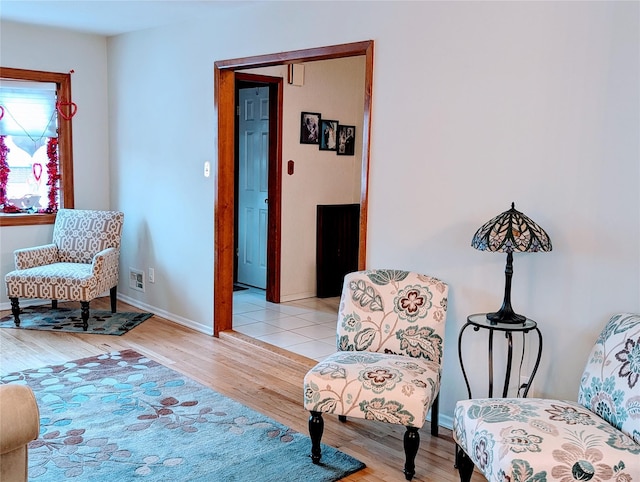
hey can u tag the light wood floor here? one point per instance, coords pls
(265, 378)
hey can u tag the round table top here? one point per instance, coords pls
(481, 321)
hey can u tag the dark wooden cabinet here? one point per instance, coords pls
(337, 243)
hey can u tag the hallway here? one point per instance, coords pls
(306, 327)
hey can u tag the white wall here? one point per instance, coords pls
(475, 105)
(335, 89)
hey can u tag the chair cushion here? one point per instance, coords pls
(610, 384)
(58, 281)
(375, 386)
(542, 440)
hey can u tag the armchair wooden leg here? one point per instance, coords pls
(464, 465)
(84, 312)
(112, 295)
(54, 304)
(15, 310)
(435, 410)
(411, 444)
(316, 427)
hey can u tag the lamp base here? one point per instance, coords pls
(505, 316)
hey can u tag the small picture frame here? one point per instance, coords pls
(346, 140)
(310, 128)
(328, 135)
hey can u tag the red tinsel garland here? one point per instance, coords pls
(54, 176)
(4, 173)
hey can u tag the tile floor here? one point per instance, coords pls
(306, 327)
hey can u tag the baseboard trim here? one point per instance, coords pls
(187, 323)
(296, 297)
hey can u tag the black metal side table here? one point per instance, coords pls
(479, 321)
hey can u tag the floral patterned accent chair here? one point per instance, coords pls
(387, 368)
(80, 264)
(595, 439)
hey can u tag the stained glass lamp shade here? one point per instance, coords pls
(508, 232)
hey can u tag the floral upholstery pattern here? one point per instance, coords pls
(390, 335)
(80, 263)
(610, 385)
(594, 439)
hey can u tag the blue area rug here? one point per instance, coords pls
(69, 320)
(121, 416)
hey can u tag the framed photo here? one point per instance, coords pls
(346, 140)
(309, 128)
(328, 135)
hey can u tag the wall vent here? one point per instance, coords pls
(136, 279)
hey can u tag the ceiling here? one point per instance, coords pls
(110, 17)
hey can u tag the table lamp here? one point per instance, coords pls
(508, 232)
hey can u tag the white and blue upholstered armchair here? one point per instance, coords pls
(80, 263)
(595, 439)
(390, 335)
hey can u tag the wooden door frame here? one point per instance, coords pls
(224, 209)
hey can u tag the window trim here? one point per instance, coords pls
(65, 146)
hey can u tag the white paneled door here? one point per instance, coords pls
(253, 151)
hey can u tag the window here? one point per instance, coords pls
(36, 163)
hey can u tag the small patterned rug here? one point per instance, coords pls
(121, 416)
(70, 320)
